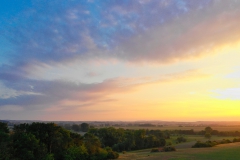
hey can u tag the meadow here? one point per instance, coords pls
(221, 152)
(192, 139)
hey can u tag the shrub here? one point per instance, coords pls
(200, 144)
(76, 152)
(169, 149)
(181, 139)
(169, 144)
(155, 150)
(224, 141)
(236, 140)
(111, 154)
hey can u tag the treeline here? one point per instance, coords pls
(77, 127)
(126, 140)
(40, 141)
(203, 132)
(209, 143)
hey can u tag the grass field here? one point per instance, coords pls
(221, 152)
(191, 140)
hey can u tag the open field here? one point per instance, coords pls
(175, 127)
(191, 140)
(220, 152)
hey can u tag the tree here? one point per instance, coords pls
(139, 138)
(76, 127)
(111, 154)
(92, 143)
(208, 135)
(25, 146)
(55, 138)
(4, 127)
(77, 139)
(4, 141)
(76, 153)
(208, 129)
(84, 127)
(181, 139)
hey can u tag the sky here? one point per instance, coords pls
(127, 60)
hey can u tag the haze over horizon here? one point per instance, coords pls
(107, 60)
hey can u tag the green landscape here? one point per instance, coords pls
(220, 152)
(84, 141)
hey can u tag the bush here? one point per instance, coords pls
(76, 152)
(169, 143)
(181, 139)
(200, 144)
(169, 149)
(155, 150)
(111, 154)
(100, 155)
(224, 141)
(236, 140)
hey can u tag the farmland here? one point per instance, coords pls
(220, 152)
(129, 141)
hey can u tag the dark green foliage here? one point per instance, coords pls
(155, 150)
(236, 140)
(139, 138)
(25, 146)
(40, 141)
(224, 141)
(200, 144)
(203, 132)
(208, 135)
(54, 137)
(76, 138)
(169, 149)
(100, 155)
(121, 140)
(76, 127)
(84, 127)
(111, 154)
(181, 139)
(4, 127)
(208, 130)
(67, 126)
(4, 141)
(92, 143)
(76, 153)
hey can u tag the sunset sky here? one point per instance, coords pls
(173, 60)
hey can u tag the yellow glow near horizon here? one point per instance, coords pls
(204, 89)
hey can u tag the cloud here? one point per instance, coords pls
(52, 32)
(229, 93)
(44, 39)
(33, 94)
(11, 108)
(197, 33)
(39, 94)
